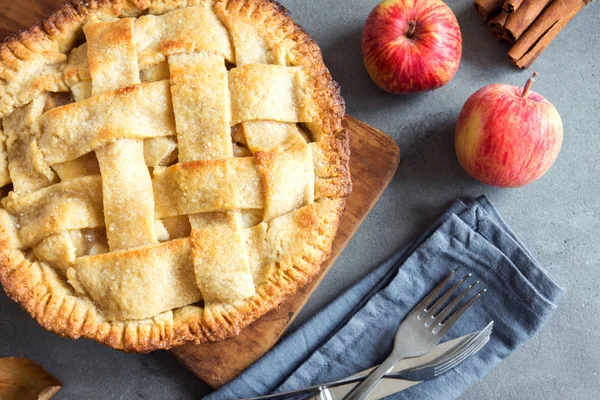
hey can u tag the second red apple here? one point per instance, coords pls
(508, 136)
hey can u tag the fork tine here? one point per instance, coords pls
(471, 342)
(430, 311)
(441, 329)
(455, 356)
(433, 294)
(478, 345)
(467, 344)
(474, 349)
(446, 311)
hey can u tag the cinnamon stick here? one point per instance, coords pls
(510, 6)
(523, 17)
(544, 30)
(487, 8)
(496, 26)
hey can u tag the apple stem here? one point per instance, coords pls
(411, 29)
(528, 85)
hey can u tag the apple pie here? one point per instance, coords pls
(171, 169)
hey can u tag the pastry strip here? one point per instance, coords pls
(201, 104)
(187, 30)
(251, 45)
(77, 69)
(126, 182)
(160, 151)
(17, 128)
(288, 179)
(268, 92)
(127, 193)
(72, 204)
(207, 185)
(137, 112)
(83, 166)
(221, 260)
(266, 135)
(112, 55)
(139, 283)
(62, 249)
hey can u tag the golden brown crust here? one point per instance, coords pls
(46, 295)
(39, 289)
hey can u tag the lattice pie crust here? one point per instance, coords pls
(172, 169)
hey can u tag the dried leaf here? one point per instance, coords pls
(23, 379)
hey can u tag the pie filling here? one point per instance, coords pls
(175, 167)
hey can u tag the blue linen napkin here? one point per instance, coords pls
(356, 330)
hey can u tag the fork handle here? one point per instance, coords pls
(362, 390)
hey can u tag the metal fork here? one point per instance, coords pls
(421, 330)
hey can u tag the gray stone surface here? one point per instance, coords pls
(557, 217)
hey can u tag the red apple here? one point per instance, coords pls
(507, 136)
(410, 46)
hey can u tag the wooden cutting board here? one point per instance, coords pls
(374, 160)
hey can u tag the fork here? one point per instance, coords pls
(421, 330)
